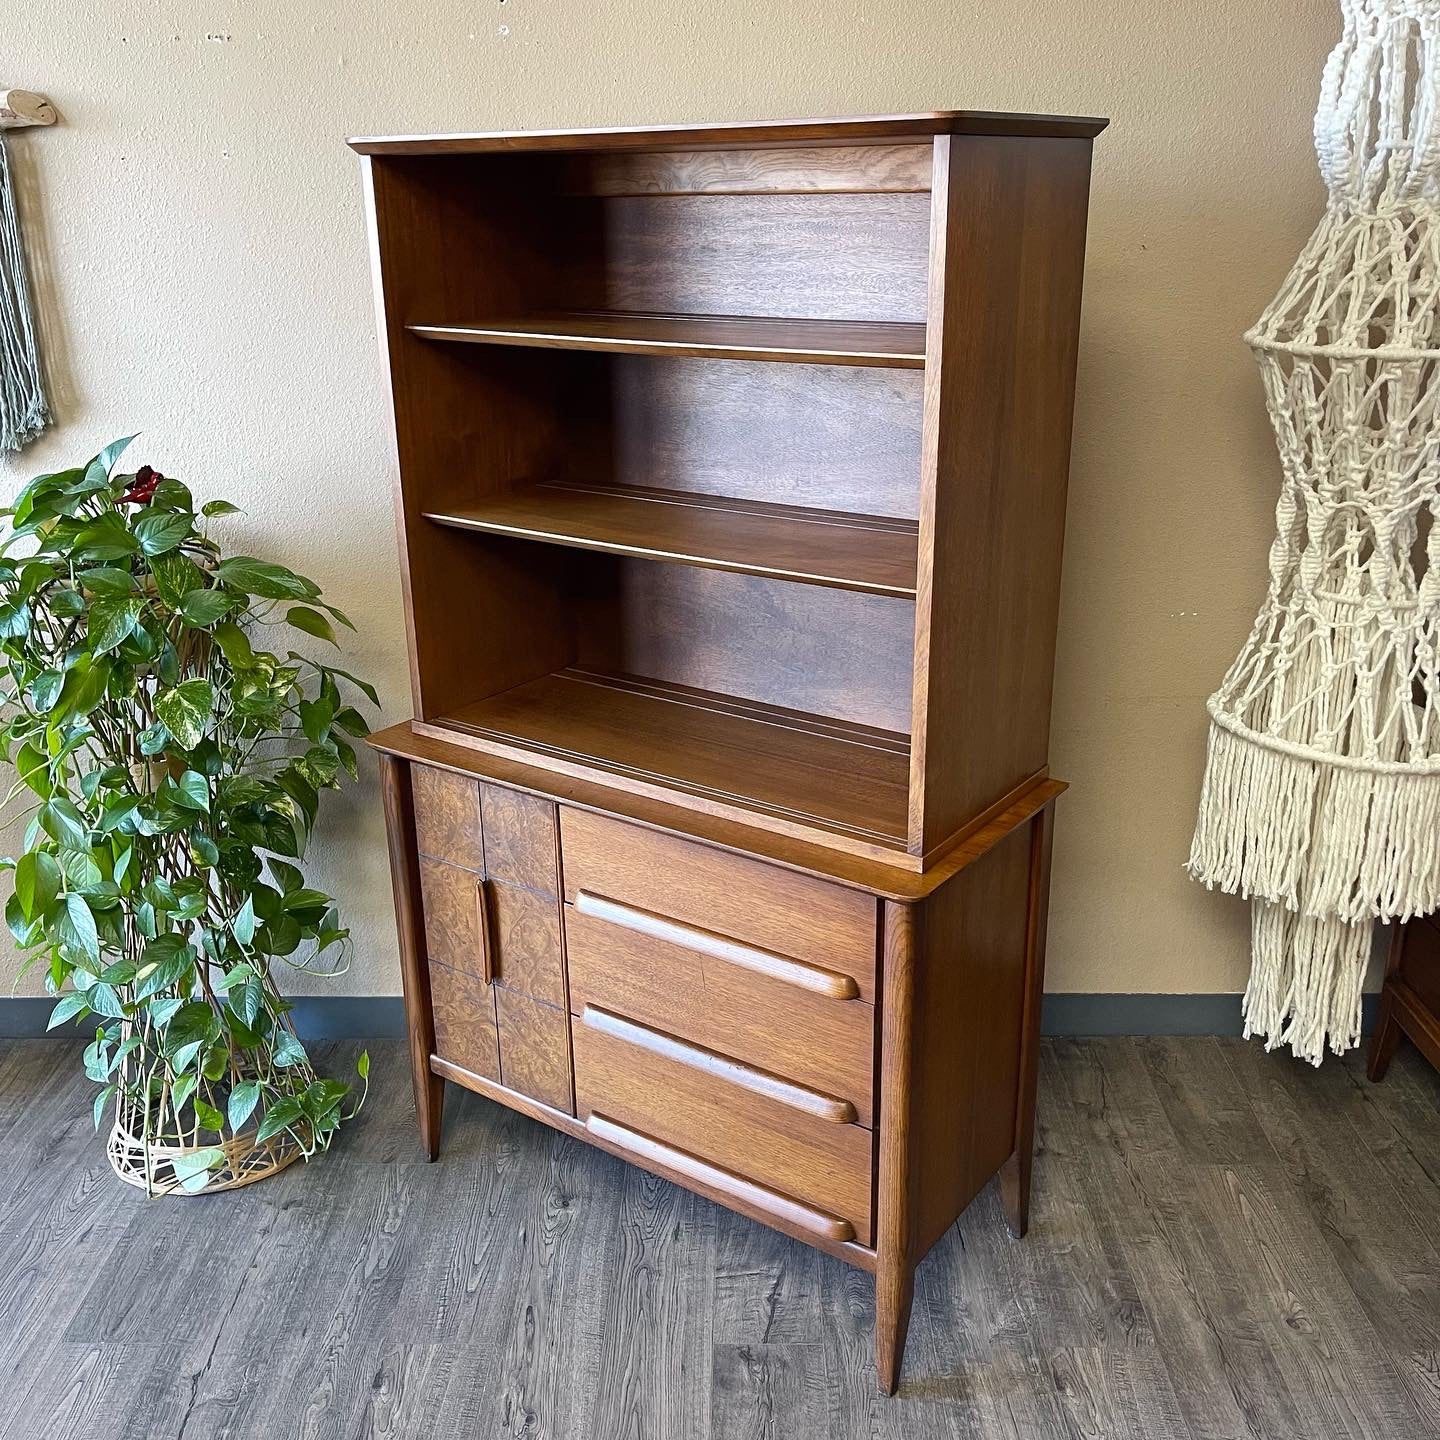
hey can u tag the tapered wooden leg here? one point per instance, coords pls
(414, 966)
(1015, 1172)
(1387, 1025)
(894, 1264)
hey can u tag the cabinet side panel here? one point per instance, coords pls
(969, 998)
(450, 240)
(1007, 262)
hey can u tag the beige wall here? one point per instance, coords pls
(203, 278)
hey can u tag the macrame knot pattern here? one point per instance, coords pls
(1321, 798)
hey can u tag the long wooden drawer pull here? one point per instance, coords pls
(482, 924)
(764, 962)
(681, 1162)
(761, 1082)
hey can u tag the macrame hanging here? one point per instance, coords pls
(1321, 799)
(23, 411)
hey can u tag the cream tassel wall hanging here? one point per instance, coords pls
(1321, 800)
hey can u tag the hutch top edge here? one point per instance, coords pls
(855, 129)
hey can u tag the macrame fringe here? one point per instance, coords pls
(23, 409)
(1321, 839)
(1305, 980)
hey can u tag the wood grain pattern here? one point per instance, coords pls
(520, 839)
(822, 1042)
(733, 337)
(777, 910)
(1410, 997)
(447, 817)
(736, 756)
(818, 1163)
(526, 933)
(1008, 220)
(867, 129)
(451, 898)
(534, 1049)
(766, 1083)
(465, 1028)
(821, 547)
(396, 788)
(866, 169)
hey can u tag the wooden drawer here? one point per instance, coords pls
(745, 1122)
(782, 1015)
(761, 905)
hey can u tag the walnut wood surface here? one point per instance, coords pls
(850, 552)
(812, 1160)
(738, 337)
(733, 755)
(447, 817)
(520, 839)
(1410, 997)
(465, 1029)
(872, 128)
(534, 1049)
(888, 880)
(452, 904)
(525, 931)
(757, 904)
(766, 1083)
(759, 1017)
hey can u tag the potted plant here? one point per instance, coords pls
(173, 767)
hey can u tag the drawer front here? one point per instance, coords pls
(769, 1011)
(747, 900)
(730, 1116)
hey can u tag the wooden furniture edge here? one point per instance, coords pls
(862, 1257)
(890, 882)
(921, 125)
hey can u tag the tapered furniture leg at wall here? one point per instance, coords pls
(1015, 1173)
(414, 969)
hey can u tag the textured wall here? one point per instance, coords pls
(202, 272)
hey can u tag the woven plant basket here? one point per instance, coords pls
(151, 1168)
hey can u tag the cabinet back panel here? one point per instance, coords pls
(829, 437)
(822, 257)
(836, 653)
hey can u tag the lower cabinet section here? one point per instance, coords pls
(788, 1139)
(534, 1049)
(465, 1029)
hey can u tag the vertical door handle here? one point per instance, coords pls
(482, 924)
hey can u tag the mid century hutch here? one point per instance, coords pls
(732, 469)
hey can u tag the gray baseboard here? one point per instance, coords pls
(355, 1017)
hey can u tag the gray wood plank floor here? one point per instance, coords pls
(1225, 1245)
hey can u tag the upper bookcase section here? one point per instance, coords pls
(870, 129)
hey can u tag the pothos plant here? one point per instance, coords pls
(173, 766)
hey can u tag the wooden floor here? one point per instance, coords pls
(1225, 1245)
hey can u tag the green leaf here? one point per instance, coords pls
(104, 1000)
(37, 882)
(173, 959)
(153, 739)
(289, 1051)
(243, 925)
(205, 607)
(192, 1167)
(112, 618)
(159, 531)
(45, 689)
(63, 823)
(162, 1011)
(262, 578)
(204, 851)
(175, 576)
(101, 1101)
(362, 1065)
(243, 1099)
(186, 711)
(34, 769)
(208, 1115)
(234, 645)
(280, 1115)
(104, 462)
(196, 790)
(219, 507)
(68, 1008)
(77, 928)
(14, 620)
(85, 684)
(107, 581)
(312, 622)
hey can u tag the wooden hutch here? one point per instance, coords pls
(732, 469)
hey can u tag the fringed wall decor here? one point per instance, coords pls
(23, 410)
(1321, 799)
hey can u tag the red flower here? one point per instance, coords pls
(143, 487)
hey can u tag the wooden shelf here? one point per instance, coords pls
(716, 337)
(820, 547)
(836, 776)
